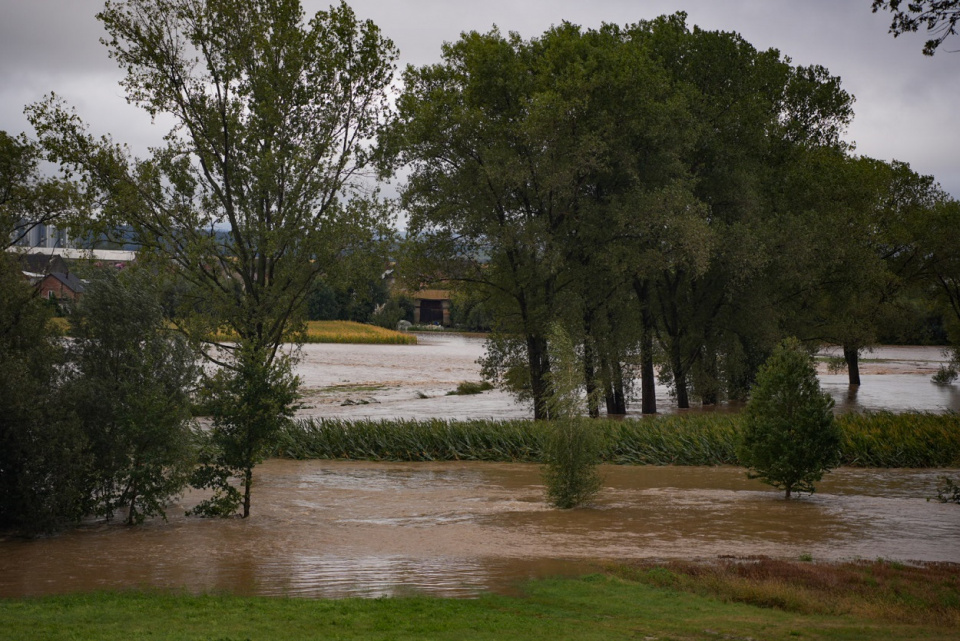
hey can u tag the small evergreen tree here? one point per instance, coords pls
(789, 438)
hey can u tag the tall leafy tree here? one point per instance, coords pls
(754, 112)
(256, 192)
(529, 153)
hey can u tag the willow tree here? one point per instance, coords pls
(255, 193)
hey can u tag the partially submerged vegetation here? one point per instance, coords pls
(467, 388)
(868, 440)
(729, 600)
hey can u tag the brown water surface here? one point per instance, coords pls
(331, 529)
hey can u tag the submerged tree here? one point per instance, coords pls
(789, 437)
(131, 381)
(529, 154)
(44, 465)
(256, 193)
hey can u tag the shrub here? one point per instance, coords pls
(789, 438)
(467, 388)
(948, 491)
(571, 452)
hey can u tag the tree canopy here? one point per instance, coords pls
(257, 191)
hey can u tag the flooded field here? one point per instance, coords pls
(331, 529)
(411, 381)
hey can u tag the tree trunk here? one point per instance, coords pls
(789, 489)
(590, 378)
(619, 397)
(247, 482)
(648, 390)
(539, 366)
(589, 368)
(679, 376)
(852, 356)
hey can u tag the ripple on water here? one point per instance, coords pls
(327, 528)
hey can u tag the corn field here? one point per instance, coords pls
(870, 440)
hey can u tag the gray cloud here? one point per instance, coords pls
(906, 103)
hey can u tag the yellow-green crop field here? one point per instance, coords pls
(350, 332)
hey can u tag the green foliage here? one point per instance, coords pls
(130, 387)
(571, 453)
(869, 440)
(789, 437)
(884, 439)
(249, 404)
(389, 314)
(573, 446)
(26, 198)
(761, 599)
(469, 387)
(940, 18)
(947, 490)
(946, 375)
(253, 216)
(565, 378)
(468, 311)
(44, 464)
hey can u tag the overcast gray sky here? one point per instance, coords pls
(907, 108)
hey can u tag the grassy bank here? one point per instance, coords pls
(870, 440)
(628, 603)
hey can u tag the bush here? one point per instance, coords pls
(467, 388)
(571, 453)
(948, 491)
(130, 388)
(44, 469)
(789, 438)
(398, 308)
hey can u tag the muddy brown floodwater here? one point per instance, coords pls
(332, 529)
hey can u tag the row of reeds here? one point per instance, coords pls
(870, 440)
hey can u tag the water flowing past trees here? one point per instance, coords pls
(656, 188)
(255, 194)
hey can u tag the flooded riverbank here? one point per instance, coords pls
(412, 381)
(332, 529)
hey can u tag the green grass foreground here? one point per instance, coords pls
(602, 606)
(869, 440)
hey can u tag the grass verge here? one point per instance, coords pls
(631, 603)
(869, 440)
